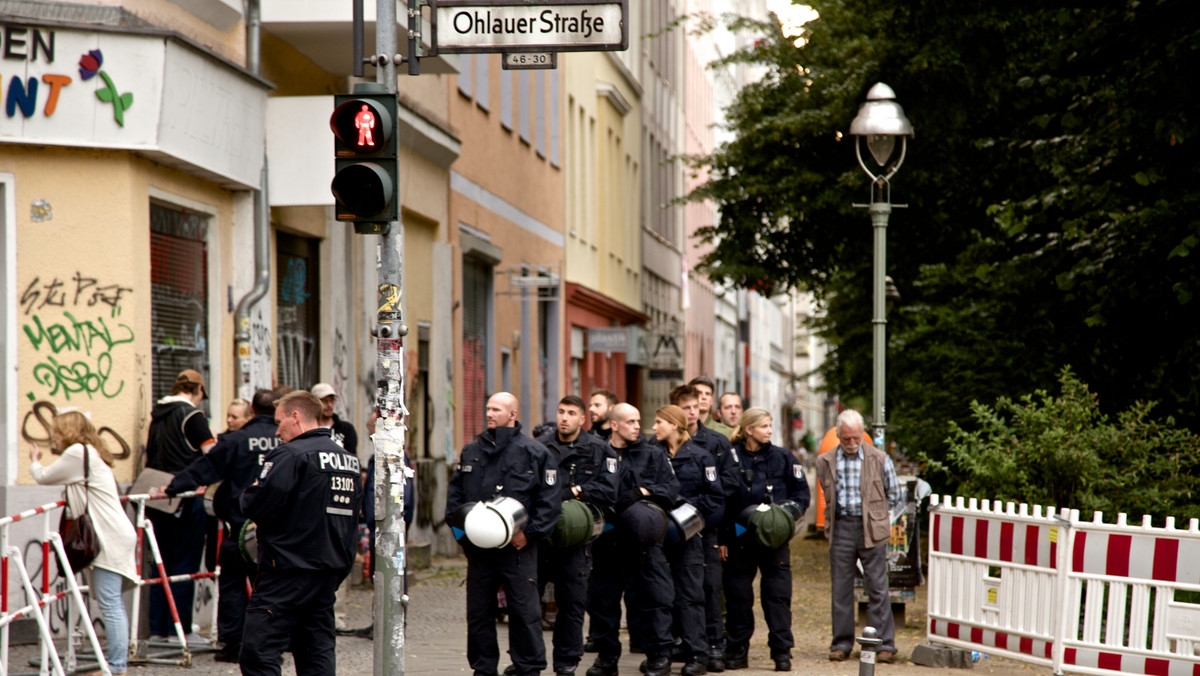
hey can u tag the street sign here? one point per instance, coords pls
(512, 26)
(529, 61)
(534, 280)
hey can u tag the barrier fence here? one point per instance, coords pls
(1045, 587)
(40, 598)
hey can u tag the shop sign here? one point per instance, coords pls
(129, 91)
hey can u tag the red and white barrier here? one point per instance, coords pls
(39, 603)
(1079, 597)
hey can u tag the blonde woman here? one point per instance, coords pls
(74, 435)
(769, 474)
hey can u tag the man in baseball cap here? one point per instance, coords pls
(341, 431)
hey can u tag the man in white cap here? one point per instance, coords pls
(341, 431)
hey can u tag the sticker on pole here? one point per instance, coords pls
(514, 26)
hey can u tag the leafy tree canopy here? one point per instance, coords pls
(1062, 451)
(1052, 187)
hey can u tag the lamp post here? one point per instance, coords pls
(880, 121)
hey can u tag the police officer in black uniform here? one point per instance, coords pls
(687, 397)
(623, 562)
(503, 463)
(236, 461)
(700, 486)
(770, 474)
(588, 469)
(305, 504)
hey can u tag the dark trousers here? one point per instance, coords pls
(775, 590)
(845, 549)
(619, 567)
(181, 544)
(687, 573)
(231, 606)
(713, 590)
(291, 610)
(569, 570)
(516, 570)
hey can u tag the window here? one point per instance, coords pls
(523, 104)
(297, 301)
(477, 292)
(506, 99)
(481, 81)
(178, 295)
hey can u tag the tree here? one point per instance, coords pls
(1062, 451)
(1052, 200)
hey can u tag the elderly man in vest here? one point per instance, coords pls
(861, 489)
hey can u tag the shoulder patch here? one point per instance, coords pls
(266, 468)
(611, 465)
(710, 473)
(551, 477)
(798, 471)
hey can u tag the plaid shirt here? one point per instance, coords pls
(849, 483)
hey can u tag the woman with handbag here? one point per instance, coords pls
(92, 499)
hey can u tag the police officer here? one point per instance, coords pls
(588, 469)
(236, 461)
(503, 463)
(700, 486)
(305, 503)
(688, 397)
(625, 562)
(770, 474)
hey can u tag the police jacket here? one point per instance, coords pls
(642, 465)
(586, 462)
(503, 462)
(771, 474)
(305, 503)
(236, 460)
(699, 482)
(728, 469)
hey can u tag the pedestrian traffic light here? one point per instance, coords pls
(365, 186)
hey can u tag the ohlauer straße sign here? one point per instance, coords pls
(478, 26)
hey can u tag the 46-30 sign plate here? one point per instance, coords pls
(514, 26)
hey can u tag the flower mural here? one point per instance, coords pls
(89, 67)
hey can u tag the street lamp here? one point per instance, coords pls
(880, 122)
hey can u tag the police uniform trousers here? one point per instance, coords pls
(517, 571)
(620, 566)
(845, 549)
(291, 610)
(713, 610)
(231, 604)
(746, 558)
(569, 570)
(687, 573)
(181, 546)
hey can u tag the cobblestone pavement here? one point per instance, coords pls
(437, 633)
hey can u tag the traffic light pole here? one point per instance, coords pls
(390, 552)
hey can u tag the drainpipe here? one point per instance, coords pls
(262, 223)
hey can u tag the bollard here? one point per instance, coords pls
(866, 656)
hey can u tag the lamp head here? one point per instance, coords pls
(880, 119)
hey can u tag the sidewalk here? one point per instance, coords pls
(437, 635)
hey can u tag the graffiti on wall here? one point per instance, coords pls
(75, 345)
(36, 426)
(341, 364)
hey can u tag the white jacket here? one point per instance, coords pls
(118, 539)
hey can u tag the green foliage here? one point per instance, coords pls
(1051, 190)
(1063, 451)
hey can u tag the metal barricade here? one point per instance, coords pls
(1079, 597)
(39, 604)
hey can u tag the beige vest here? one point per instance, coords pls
(877, 525)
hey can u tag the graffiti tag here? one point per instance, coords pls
(61, 370)
(77, 290)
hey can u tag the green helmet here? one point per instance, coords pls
(772, 525)
(577, 525)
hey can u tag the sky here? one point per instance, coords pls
(792, 16)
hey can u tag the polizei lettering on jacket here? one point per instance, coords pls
(343, 462)
(549, 21)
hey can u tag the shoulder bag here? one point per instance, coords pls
(78, 535)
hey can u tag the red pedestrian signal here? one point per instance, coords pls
(365, 166)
